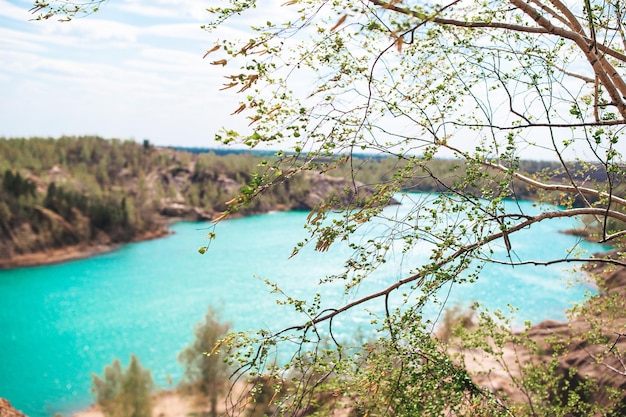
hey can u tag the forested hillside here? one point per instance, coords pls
(62, 192)
(87, 190)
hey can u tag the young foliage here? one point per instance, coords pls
(484, 83)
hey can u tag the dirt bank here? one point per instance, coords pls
(71, 253)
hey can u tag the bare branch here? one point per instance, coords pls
(560, 187)
(604, 70)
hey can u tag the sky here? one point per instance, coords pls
(133, 70)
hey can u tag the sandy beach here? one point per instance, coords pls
(174, 403)
(166, 404)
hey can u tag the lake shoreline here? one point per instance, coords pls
(74, 252)
(121, 246)
(77, 252)
(177, 402)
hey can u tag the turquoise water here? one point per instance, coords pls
(61, 323)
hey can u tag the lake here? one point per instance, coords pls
(61, 323)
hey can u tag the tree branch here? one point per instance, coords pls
(605, 72)
(560, 187)
(421, 275)
(496, 25)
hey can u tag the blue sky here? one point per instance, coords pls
(134, 70)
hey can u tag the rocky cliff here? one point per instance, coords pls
(6, 410)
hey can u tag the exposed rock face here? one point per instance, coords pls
(322, 189)
(6, 410)
(593, 360)
(227, 184)
(185, 211)
(613, 277)
(334, 190)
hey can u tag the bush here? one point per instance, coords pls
(124, 393)
(203, 359)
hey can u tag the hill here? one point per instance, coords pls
(74, 196)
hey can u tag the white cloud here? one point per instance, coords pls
(172, 56)
(18, 41)
(147, 11)
(165, 9)
(14, 12)
(127, 71)
(177, 31)
(90, 29)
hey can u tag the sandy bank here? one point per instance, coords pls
(73, 252)
(174, 403)
(166, 404)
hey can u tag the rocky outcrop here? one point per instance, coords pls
(6, 410)
(321, 189)
(594, 346)
(610, 277)
(179, 209)
(335, 191)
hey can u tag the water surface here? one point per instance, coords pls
(61, 323)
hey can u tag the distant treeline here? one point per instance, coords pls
(374, 168)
